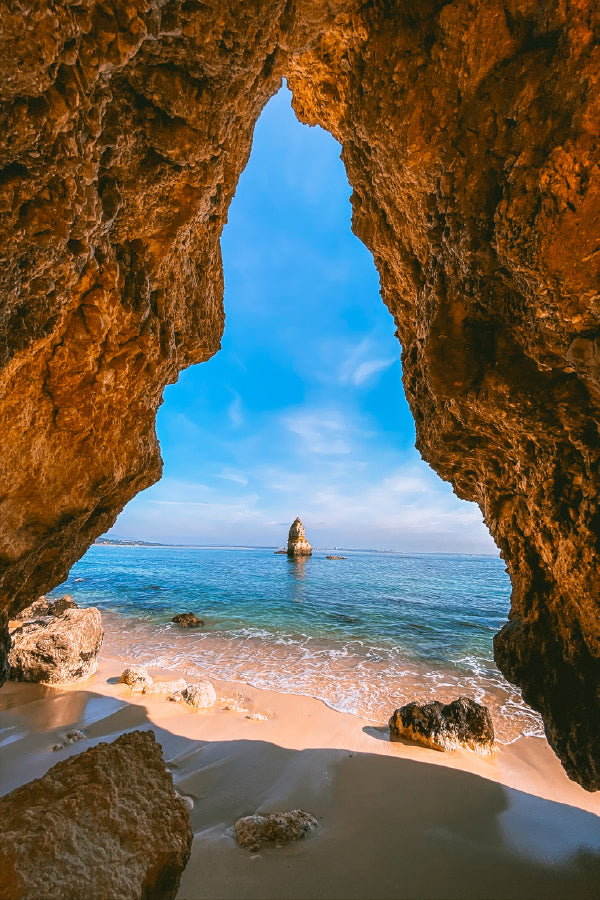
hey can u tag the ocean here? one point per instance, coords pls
(365, 634)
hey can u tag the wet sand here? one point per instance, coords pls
(395, 820)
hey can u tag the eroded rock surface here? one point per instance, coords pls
(200, 695)
(470, 134)
(57, 650)
(135, 677)
(462, 723)
(252, 832)
(105, 823)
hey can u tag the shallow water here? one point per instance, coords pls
(365, 634)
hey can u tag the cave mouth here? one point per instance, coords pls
(470, 140)
(303, 410)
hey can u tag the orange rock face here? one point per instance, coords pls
(470, 136)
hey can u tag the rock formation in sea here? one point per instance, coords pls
(297, 543)
(57, 650)
(104, 823)
(462, 723)
(470, 135)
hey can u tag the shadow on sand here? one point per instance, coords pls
(389, 827)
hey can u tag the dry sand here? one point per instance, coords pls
(395, 820)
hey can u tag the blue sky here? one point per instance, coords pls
(302, 412)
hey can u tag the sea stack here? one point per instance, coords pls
(297, 543)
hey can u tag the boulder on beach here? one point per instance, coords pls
(135, 677)
(57, 650)
(297, 543)
(63, 603)
(277, 828)
(200, 695)
(104, 823)
(43, 607)
(176, 686)
(188, 620)
(36, 610)
(462, 723)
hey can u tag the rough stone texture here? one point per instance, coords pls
(177, 686)
(200, 695)
(277, 828)
(297, 543)
(135, 677)
(470, 137)
(462, 723)
(105, 823)
(63, 603)
(44, 607)
(188, 620)
(57, 650)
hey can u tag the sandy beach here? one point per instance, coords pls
(395, 820)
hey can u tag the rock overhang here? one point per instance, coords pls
(469, 132)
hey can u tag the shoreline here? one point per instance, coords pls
(395, 819)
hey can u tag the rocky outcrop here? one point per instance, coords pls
(469, 132)
(135, 677)
(462, 723)
(44, 607)
(252, 832)
(57, 650)
(170, 688)
(200, 695)
(106, 823)
(297, 543)
(188, 620)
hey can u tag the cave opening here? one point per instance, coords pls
(302, 410)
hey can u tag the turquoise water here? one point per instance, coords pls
(364, 634)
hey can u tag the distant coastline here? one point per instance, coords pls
(131, 542)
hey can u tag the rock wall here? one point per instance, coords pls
(470, 136)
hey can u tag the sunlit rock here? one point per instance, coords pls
(57, 650)
(462, 723)
(297, 543)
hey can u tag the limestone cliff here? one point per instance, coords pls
(470, 137)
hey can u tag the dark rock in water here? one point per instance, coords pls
(188, 620)
(336, 557)
(63, 603)
(462, 723)
(277, 828)
(105, 823)
(57, 650)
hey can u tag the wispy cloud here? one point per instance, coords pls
(234, 475)
(322, 431)
(362, 363)
(235, 411)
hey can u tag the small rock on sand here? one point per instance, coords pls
(70, 738)
(188, 620)
(277, 828)
(166, 687)
(135, 677)
(200, 695)
(462, 723)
